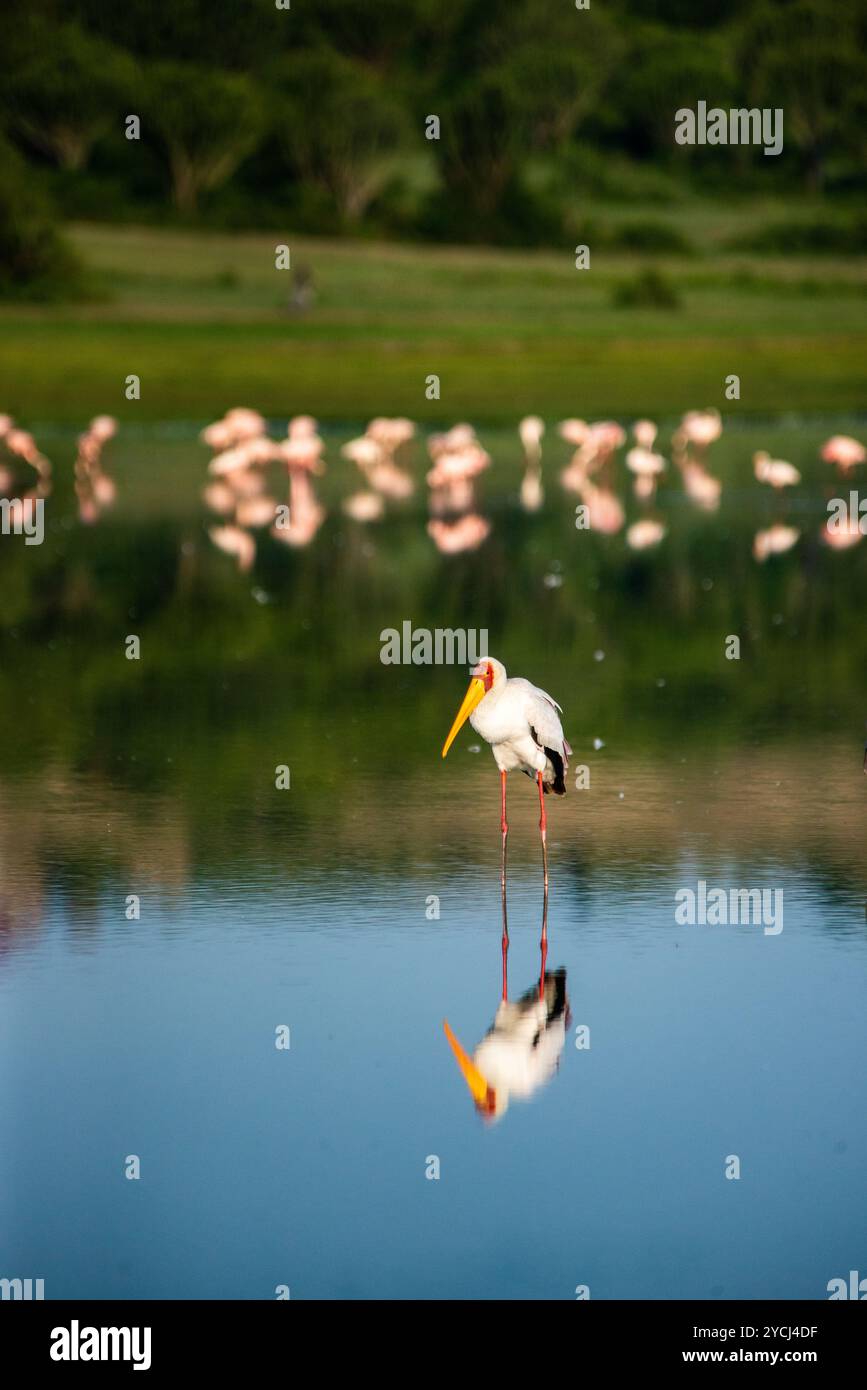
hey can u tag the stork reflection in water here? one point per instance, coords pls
(521, 1050)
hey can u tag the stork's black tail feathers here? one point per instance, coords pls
(555, 994)
(557, 761)
(558, 787)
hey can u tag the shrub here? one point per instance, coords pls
(649, 289)
(650, 236)
(36, 261)
(820, 237)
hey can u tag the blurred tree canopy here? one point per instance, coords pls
(35, 261)
(205, 119)
(64, 89)
(317, 114)
(337, 122)
(814, 69)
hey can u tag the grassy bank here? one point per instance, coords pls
(203, 319)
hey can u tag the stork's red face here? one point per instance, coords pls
(485, 673)
(483, 679)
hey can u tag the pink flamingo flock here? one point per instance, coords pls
(94, 489)
(458, 459)
(238, 491)
(258, 483)
(25, 473)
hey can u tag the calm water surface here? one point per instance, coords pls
(309, 908)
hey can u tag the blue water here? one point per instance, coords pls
(310, 908)
(306, 1167)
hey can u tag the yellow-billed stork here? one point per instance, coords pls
(522, 725)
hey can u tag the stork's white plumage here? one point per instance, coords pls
(519, 721)
(522, 725)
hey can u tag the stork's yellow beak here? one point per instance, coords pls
(483, 1094)
(475, 693)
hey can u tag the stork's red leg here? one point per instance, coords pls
(505, 952)
(543, 827)
(504, 826)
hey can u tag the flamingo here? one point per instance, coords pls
(531, 429)
(302, 456)
(598, 444)
(244, 424)
(844, 452)
(302, 427)
(842, 537)
(776, 472)
(364, 506)
(452, 479)
(701, 428)
(390, 433)
(235, 541)
(93, 488)
(22, 443)
(103, 428)
(645, 432)
(700, 486)
(255, 511)
(573, 431)
(646, 467)
(774, 540)
(377, 464)
(604, 509)
(644, 534)
(236, 426)
(458, 458)
(453, 537)
(220, 498)
(522, 725)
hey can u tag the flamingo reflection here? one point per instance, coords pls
(458, 459)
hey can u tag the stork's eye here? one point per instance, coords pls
(489, 676)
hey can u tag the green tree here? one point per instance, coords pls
(236, 35)
(339, 124)
(665, 69)
(35, 260)
(509, 80)
(805, 58)
(206, 121)
(63, 88)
